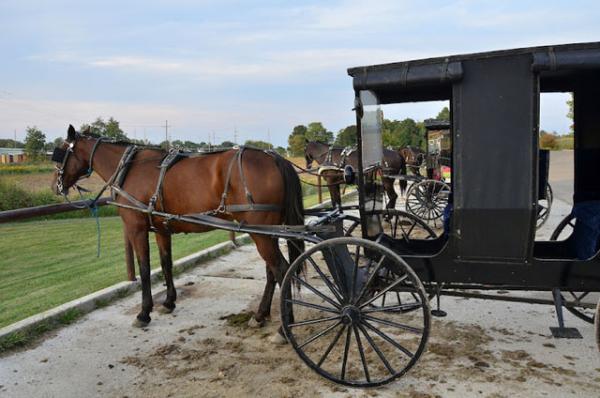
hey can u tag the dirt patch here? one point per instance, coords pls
(238, 320)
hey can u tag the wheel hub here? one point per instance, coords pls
(351, 315)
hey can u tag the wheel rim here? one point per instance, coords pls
(397, 224)
(562, 232)
(343, 330)
(544, 207)
(427, 199)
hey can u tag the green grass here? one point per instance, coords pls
(26, 168)
(47, 263)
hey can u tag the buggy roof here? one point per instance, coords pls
(432, 78)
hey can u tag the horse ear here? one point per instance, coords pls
(306, 141)
(88, 130)
(71, 133)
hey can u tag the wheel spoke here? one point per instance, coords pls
(371, 277)
(315, 291)
(362, 354)
(311, 305)
(345, 359)
(326, 280)
(377, 350)
(331, 345)
(313, 321)
(387, 289)
(411, 329)
(320, 334)
(389, 340)
(401, 307)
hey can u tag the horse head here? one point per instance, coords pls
(314, 151)
(71, 165)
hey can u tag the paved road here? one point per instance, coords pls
(561, 175)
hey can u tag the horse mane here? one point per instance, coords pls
(109, 140)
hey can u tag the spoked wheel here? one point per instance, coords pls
(585, 311)
(397, 224)
(427, 199)
(544, 207)
(597, 325)
(339, 326)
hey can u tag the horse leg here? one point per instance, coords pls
(163, 241)
(268, 249)
(388, 185)
(139, 239)
(334, 192)
(264, 308)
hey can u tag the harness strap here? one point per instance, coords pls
(164, 166)
(241, 171)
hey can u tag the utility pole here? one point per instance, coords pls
(167, 133)
(15, 139)
(235, 135)
(269, 138)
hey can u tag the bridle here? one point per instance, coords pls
(327, 154)
(61, 156)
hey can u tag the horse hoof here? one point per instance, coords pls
(165, 310)
(139, 324)
(254, 324)
(278, 339)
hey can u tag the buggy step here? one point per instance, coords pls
(562, 332)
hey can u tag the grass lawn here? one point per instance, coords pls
(47, 263)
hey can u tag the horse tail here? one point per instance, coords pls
(293, 207)
(403, 182)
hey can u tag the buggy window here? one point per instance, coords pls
(371, 121)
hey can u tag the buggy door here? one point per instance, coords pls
(495, 145)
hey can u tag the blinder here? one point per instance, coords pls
(59, 155)
(349, 175)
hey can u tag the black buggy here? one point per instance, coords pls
(360, 306)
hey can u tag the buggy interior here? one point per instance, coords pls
(584, 221)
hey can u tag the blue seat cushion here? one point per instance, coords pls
(586, 233)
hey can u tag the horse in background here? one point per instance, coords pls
(326, 155)
(414, 157)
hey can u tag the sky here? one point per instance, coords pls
(223, 69)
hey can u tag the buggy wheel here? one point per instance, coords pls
(597, 325)
(427, 199)
(544, 207)
(396, 224)
(583, 312)
(339, 326)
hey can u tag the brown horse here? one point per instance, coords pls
(192, 185)
(324, 154)
(415, 157)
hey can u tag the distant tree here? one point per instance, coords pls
(548, 140)
(296, 140)
(177, 144)
(34, 143)
(346, 136)
(258, 144)
(165, 145)
(402, 133)
(109, 129)
(227, 144)
(571, 114)
(444, 114)
(281, 150)
(317, 132)
(9, 143)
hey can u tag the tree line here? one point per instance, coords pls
(35, 144)
(395, 134)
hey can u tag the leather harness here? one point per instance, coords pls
(115, 183)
